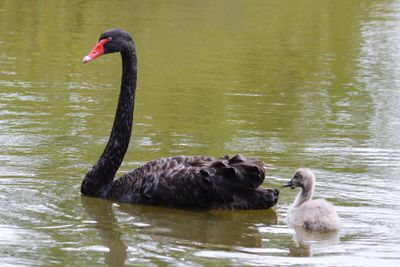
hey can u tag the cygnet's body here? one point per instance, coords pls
(313, 215)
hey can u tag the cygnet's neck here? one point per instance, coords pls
(304, 195)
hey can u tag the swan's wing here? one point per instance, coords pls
(144, 183)
(202, 181)
(236, 172)
(193, 181)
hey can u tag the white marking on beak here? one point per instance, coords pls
(86, 59)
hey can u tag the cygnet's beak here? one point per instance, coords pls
(289, 184)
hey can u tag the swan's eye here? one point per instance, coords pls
(109, 39)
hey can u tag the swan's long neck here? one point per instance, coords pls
(304, 195)
(104, 170)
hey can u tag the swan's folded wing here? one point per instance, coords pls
(178, 181)
(202, 181)
(192, 181)
(237, 172)
(161, 181)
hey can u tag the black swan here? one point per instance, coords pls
(182, 181)
(313, 215)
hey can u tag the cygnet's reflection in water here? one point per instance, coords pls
(309, 241)
(158, 226)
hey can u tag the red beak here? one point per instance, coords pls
(97, 51)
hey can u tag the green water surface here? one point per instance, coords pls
(295, 83)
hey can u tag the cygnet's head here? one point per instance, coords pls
(303, 178)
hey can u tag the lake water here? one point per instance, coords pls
(294, 83)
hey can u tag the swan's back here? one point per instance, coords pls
(314, 215)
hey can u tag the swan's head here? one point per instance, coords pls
(303, 178)
(110, 41)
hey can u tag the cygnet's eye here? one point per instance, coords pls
(297, 178)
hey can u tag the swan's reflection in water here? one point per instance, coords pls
(308, 241)
(102, 213)
(125, 228)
